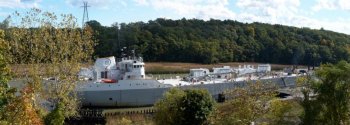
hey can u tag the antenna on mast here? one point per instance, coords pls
(85, 14)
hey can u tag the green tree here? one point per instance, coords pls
(55, 117)
(193, 40)
(331, 89)
(168, 108)
(196, 106)
(6, 94)
(333, 92)
(283, 112)
(310, 106)
(189, 107)
(14, 109)
(244, 105)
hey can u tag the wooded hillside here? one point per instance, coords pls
(198, 41)
(222, 41)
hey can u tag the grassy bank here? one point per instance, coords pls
(180, 68)
(156, 68)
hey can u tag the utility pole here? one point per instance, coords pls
(85, 14)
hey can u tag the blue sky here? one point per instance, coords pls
(330, 14)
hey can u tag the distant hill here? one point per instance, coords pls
(193, 40)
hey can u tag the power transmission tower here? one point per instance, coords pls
(85, 14)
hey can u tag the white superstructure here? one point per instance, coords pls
(263, 68)
(127, 73)
(201, 72)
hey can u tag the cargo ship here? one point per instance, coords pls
(122, 82)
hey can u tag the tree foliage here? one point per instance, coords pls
(283, 112)
(55, 117)
(21, 111)
(193, 40)
(331, 102)
(53, 47)
(189, 107)
(245, 105)
(4, 72)
(6, 94)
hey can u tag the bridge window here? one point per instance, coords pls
(134, 66)
(104, 74)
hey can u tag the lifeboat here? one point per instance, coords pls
(109, 80)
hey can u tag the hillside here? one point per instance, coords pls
(198, 41)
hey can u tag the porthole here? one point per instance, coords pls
(107, 62)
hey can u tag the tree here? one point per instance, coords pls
(168, 108)
(196, 107)
(283, 112)
(310, 106)
(4, 72)
(55, 117)
(21, 111)
(14, 109)
(6, 94)
(220, 41)
(189, 107)
(244, 105)
(331, 104)
(53, 48)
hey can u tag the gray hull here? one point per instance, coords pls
(147, 97)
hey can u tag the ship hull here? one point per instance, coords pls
(149, 96)
(121, 98)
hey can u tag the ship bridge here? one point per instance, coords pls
(131, 68)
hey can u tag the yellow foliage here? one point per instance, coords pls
(21, 110)
(53, 47)
(244, 105)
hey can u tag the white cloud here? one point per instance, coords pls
(285, 12)
(202, 9)
(331, 5)
(270, 11)
(344, 4)
(19, 3)
(141, 2)
(288, 12)
(94, 3)
(100, 4)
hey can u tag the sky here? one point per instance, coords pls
(328, 14)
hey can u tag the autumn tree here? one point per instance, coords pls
(245, 105)
(283, 112)
(5, 92)
(53, 47)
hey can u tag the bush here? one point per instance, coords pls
(56, 117)
(189, 107)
